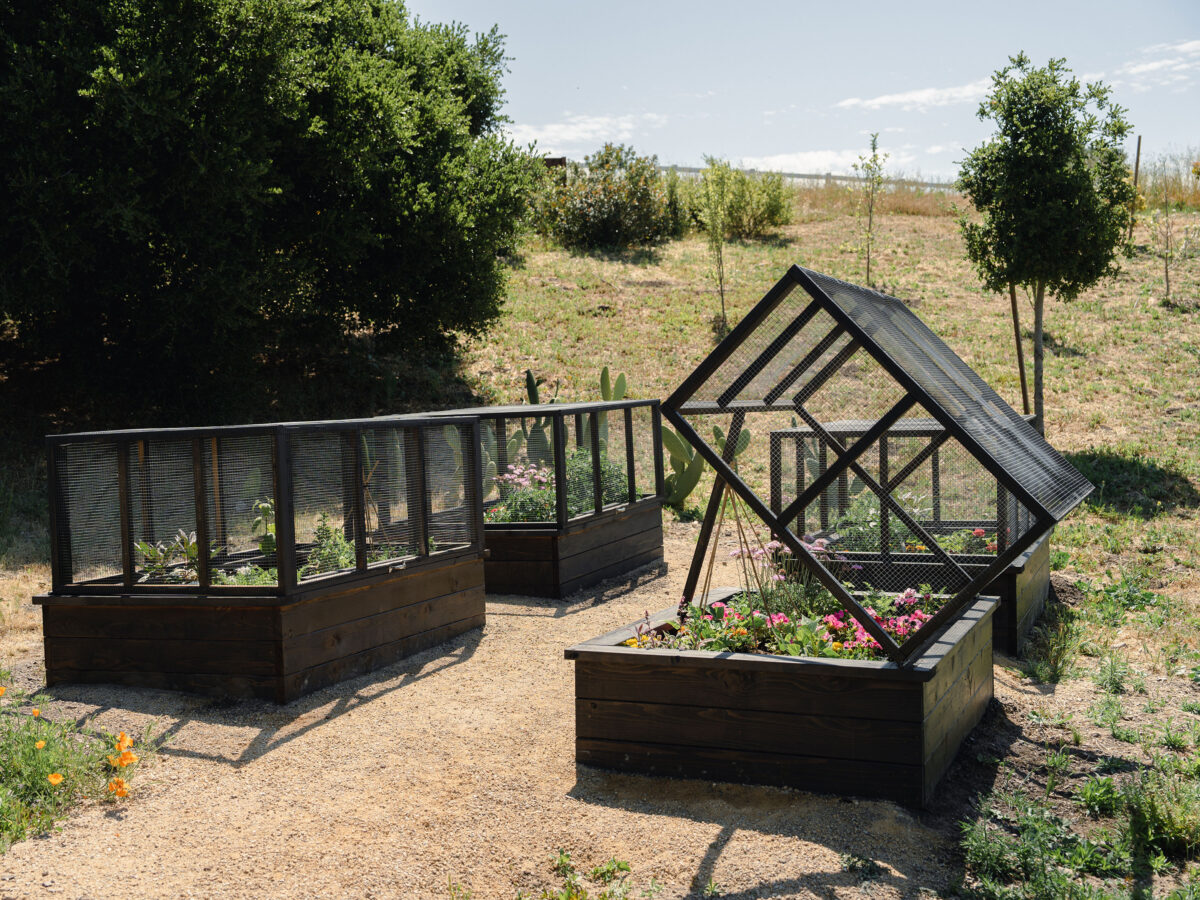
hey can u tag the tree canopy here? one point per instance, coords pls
(212, 204)
(1051, 187)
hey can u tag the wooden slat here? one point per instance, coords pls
(694, 684)
(617, 552)
(104, 622)
(886, 780)
(525, 577)
(403, 589)
(349, 638)
(140, 655)
(755, 730)
(597, 532)
(507, 546)
(626, 564)
(303, 682)
(969, 709)
(226, 685)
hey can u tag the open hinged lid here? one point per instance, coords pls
(873, 442)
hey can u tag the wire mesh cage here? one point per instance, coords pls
(259, 509)
(876, 459)
(550, 464)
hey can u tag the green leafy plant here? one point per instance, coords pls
(1112, 675)
(1099, 795)
(331, 552)
(686, 468)
(870, 171)
(263, 526)
(714, 191)
(1051, 190)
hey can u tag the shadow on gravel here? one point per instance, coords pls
(549, 607)
(276, 725)
(878, 843)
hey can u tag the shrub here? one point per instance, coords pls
(756, 202)
(614, 199)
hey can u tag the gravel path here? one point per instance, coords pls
(456, 765)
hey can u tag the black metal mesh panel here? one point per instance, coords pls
(89, 518)
(163, 512)
(387, 516)
(452, 519)
(524, 483)
(580, 486)
(614, 457)
(837, 407)
(643, 451)
(239, 492)
(323, 487)
(1010, 441)
(489, 449)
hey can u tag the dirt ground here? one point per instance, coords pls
(454, 770)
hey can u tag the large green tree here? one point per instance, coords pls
(205, 201)
(1051, 190)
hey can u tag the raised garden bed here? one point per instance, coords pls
(858, 727)
(260, 561)
(572, 493)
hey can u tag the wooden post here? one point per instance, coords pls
(1016, 317)
(1137, 164)
(630, 473)
(285, 517)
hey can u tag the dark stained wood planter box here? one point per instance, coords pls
(556, 562)
(857, 727)
(272, 648)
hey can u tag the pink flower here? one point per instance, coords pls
(717, 604)
(978, 532)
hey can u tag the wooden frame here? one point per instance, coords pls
(269, 641)
(871, 729)
(556, 558)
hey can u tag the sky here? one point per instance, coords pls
(799, 87)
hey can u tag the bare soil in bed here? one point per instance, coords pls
(456, 767)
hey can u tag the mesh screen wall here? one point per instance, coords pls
(547, 465)
(865, 446)
(259, 509)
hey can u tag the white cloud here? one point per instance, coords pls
(1161, 65)
(923, 98)
(935, 149)
(583, 133)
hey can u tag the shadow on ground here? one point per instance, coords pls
(1134, 485)
(275, 724)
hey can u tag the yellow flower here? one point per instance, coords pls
(54, 778)
(40, 744)
(119, 787)
(36, 712)
(124, 741)
(837, 645)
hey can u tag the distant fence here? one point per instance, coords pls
(816, 179)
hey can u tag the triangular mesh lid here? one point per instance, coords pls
(949, 383)
(734, 377)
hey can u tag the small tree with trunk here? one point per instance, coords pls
(1051, 189)
(870, 170)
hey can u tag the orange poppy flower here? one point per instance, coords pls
(54, 778)
(35, 711)
(119, 787)
(124, 741)
(128, 757)
(115, 762)
(40, 744)
(2, 690)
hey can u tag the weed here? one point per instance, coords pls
(1107, 711)
(1172, 738)
(1191, 706)
(1125, 734)
(1051, 652)
(1164, 814)
(1099, 796)
(863, 866)
(712, 889)
(1112, 675)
